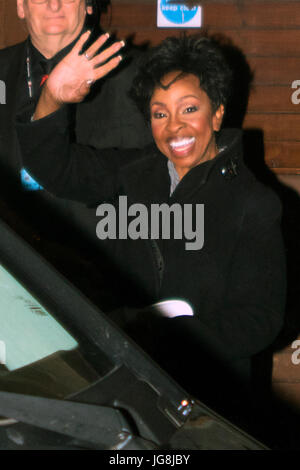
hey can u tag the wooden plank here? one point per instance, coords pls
(275, 70)
(276, 127)
(282, 154)
(284, 370)
(272, 99)
(130, 16)
(268, 14)
(222, 16)
(265, 43)
(287, 172)
(283, 43)
(274, 43)
(2, 16)
(147, 36)
(14, 30)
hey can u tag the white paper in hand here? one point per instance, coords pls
(172, 308)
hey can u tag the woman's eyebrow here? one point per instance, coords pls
(158, 103)
(188, 96)
(182, 98)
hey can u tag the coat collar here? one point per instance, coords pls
(148, 181)
(226, 165)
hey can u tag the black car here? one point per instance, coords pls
(70, 379)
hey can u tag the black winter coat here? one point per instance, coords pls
(235, 283)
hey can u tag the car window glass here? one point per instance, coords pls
(28, 332)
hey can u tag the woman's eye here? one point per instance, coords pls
(190, 109)
(158, 115)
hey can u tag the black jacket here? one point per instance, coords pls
(108, 107)
(235, 283)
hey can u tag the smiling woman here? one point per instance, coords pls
(235, 281)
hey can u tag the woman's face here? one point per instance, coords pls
(183, 122)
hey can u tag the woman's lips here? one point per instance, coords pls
(182, 146)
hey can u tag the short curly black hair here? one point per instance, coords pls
(197, 55)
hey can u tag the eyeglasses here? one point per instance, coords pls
(45, 1)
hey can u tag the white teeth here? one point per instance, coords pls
(182, 142)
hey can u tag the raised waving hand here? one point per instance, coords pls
(71, 79)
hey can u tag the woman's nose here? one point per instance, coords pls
(175, 123)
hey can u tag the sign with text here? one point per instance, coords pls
(172, 15)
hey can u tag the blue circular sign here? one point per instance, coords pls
(178, 14)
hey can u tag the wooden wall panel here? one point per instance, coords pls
(13, 30)
(268, 32)
(2, 43)
(272, 43)
(275, 70)
(280, 15)
(267, 43)
(283, 155)
(271, 99)
(278, 127)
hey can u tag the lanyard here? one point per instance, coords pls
(28, 72)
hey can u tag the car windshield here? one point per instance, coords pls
(37, 354)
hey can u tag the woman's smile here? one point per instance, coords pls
(182, 146)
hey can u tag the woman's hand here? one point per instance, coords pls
(71, 79)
